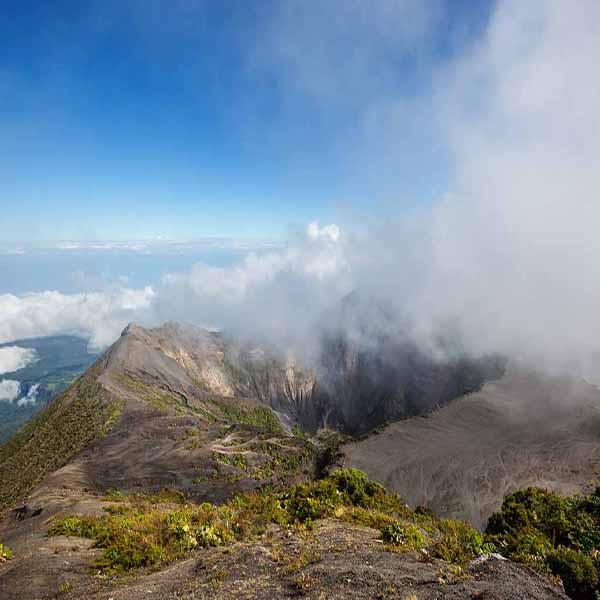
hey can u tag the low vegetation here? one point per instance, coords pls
(405, 535)
(232, 410)
(246, 412)
(85, 412)
(554, 535)
(263, 459)
(153, 395)
(139, 531)
(5, 553)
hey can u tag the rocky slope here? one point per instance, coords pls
(172, 390)
(332, 560)
(152, 412)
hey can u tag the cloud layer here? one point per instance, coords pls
(506, 259)
(13, 358)
(9, 390)
(98, 316)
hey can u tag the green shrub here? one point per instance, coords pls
(147, 535)
(459, 543)
(367, 517)
(309, 501)
(552, 534)
(577, 572)
(5, 553)
(532, 548)
(356, 486)
(79, 526)
(403, 534)
(141, 531)
(304, 508)
(209, 535)
(180, 530)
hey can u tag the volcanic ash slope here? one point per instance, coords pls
(523, 430)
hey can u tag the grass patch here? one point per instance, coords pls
(233, 459)
(66, 587)
(294, 563)
(5, 553)
(153, 395)
(145, 532)
(262, 460)
(285, 458)
(165, 496)
(244, 412)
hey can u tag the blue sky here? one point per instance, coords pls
(448, 150)
(188, 119)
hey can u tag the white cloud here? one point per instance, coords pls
(338, 53)
(508, 260)
(331, 232)
(515, 248)
(99, 316)
(272, 294)
(9, 390)
(31, 396)
(275, 295)
(13, 358)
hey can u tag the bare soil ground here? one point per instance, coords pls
(461, 460)
(335, 560)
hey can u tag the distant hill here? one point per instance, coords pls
(58, 361)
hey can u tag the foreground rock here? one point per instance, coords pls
(335, 560)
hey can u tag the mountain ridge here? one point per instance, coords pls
(183, 432)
